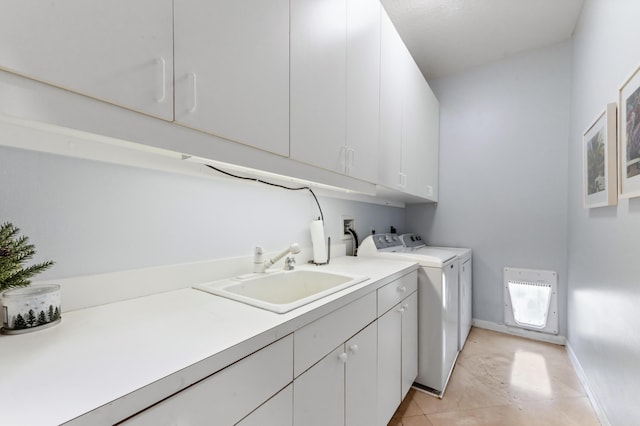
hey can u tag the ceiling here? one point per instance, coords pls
(449, 36)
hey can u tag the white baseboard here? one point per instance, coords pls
(534, 335)
(604, 421)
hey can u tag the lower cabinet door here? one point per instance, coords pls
(318, 393)
(389, 363)
(275, 412)
(409, 342)
(361, 378)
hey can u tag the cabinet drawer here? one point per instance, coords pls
(229, 395)
(393, 293)
(317, 339)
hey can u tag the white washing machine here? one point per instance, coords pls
(437, 305)
(465, 284)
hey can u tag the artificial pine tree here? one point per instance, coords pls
(42, 319)
(14, 251)
(19, 323)
(31, 318)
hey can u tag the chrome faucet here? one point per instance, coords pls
(259, 266)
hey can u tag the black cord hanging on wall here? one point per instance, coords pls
(272, 184)
(355, 241)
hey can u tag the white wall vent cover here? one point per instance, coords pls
(530, 299)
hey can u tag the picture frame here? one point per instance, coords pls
(629, 137)
(600, 174)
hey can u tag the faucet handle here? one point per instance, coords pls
(289, 263)
(258, 266)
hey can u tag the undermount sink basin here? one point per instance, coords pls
(281, 291)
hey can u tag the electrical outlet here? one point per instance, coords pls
(347, 222)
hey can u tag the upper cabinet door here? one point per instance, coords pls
(232, 70)
(420, 134)
(363, 88)
(393, 60)
(318, 82)
(431, 132)
(119, 51)
(409, 120)
(414, 147)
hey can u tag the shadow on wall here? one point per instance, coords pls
(634, 206)
(420, 219)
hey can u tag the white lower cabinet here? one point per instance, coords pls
(340, 389)
(389, 364)
(318, 394)
(397, 355)
(228, 395)
(409, 342)
(332, 371)
(361, 378)
(275, 412)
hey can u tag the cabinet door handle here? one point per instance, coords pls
(403, 180)
(350, 155)
(402, 289)
(163, 78)
(405, 306)
(343, 159)
(194, 87)
(401, 310)
(354, 348)
(343, 357)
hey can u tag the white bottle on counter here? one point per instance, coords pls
(319, 242)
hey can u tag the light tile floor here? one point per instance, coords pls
(501, 379)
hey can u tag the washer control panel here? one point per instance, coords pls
(380, 243)
(412, 240)
(385, 241)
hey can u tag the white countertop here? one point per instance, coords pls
(91, 363)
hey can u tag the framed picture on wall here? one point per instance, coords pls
(629, 143)
(600, 178)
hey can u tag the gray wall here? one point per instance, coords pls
(604, 265)
(503, 171)
(93, 217)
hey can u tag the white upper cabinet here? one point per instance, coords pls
(335, 62)
(232, 70)
(420, 135)
(119, 51)
(409, 121)
(431, 122)
(325, 83)
(318, 82)
(393, 57)
(363, 89)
